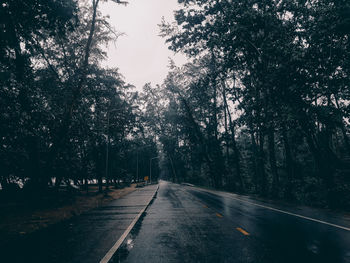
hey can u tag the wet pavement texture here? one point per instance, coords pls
(85, 238)
(190, 224)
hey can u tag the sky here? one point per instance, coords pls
(141, 55)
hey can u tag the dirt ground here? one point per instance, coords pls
(16, 220)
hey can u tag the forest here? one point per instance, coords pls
(261, 108)
(65, 117)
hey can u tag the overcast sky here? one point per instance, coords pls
(141, 55)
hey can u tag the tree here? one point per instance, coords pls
(281, 67)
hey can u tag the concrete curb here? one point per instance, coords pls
(120, 241)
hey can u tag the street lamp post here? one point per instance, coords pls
(150, 168)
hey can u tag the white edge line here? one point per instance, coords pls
(116, 246)
(280, 211)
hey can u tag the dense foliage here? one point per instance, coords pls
(263, 107)
(60, 109)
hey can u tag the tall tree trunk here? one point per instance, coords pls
(236, 152)
(100, 183)
(342, 127)
(173, 170)
(227, 147)
(61, 133)
(325, 160)
(345, 138)
(261, 164)
(290, 169)
(214, 170)
(255, 161)
(85, 169)
(272, 160)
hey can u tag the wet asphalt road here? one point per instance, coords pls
(82, 239)
(188, 224)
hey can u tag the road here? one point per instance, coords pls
(189, 224)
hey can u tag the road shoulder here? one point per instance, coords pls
(324, 216)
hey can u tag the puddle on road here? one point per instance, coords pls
(128, 244)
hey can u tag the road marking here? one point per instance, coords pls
(243, 231)
(115, 247)
(285, 212)
(219, 215)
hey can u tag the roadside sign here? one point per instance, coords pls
(146, 178)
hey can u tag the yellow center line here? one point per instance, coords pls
(243, 231)
(219, 215)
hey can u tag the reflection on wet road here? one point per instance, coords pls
(187, 224)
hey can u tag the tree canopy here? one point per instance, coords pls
(263, 106)
(60, 109)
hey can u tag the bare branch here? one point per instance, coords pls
(121, 2)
